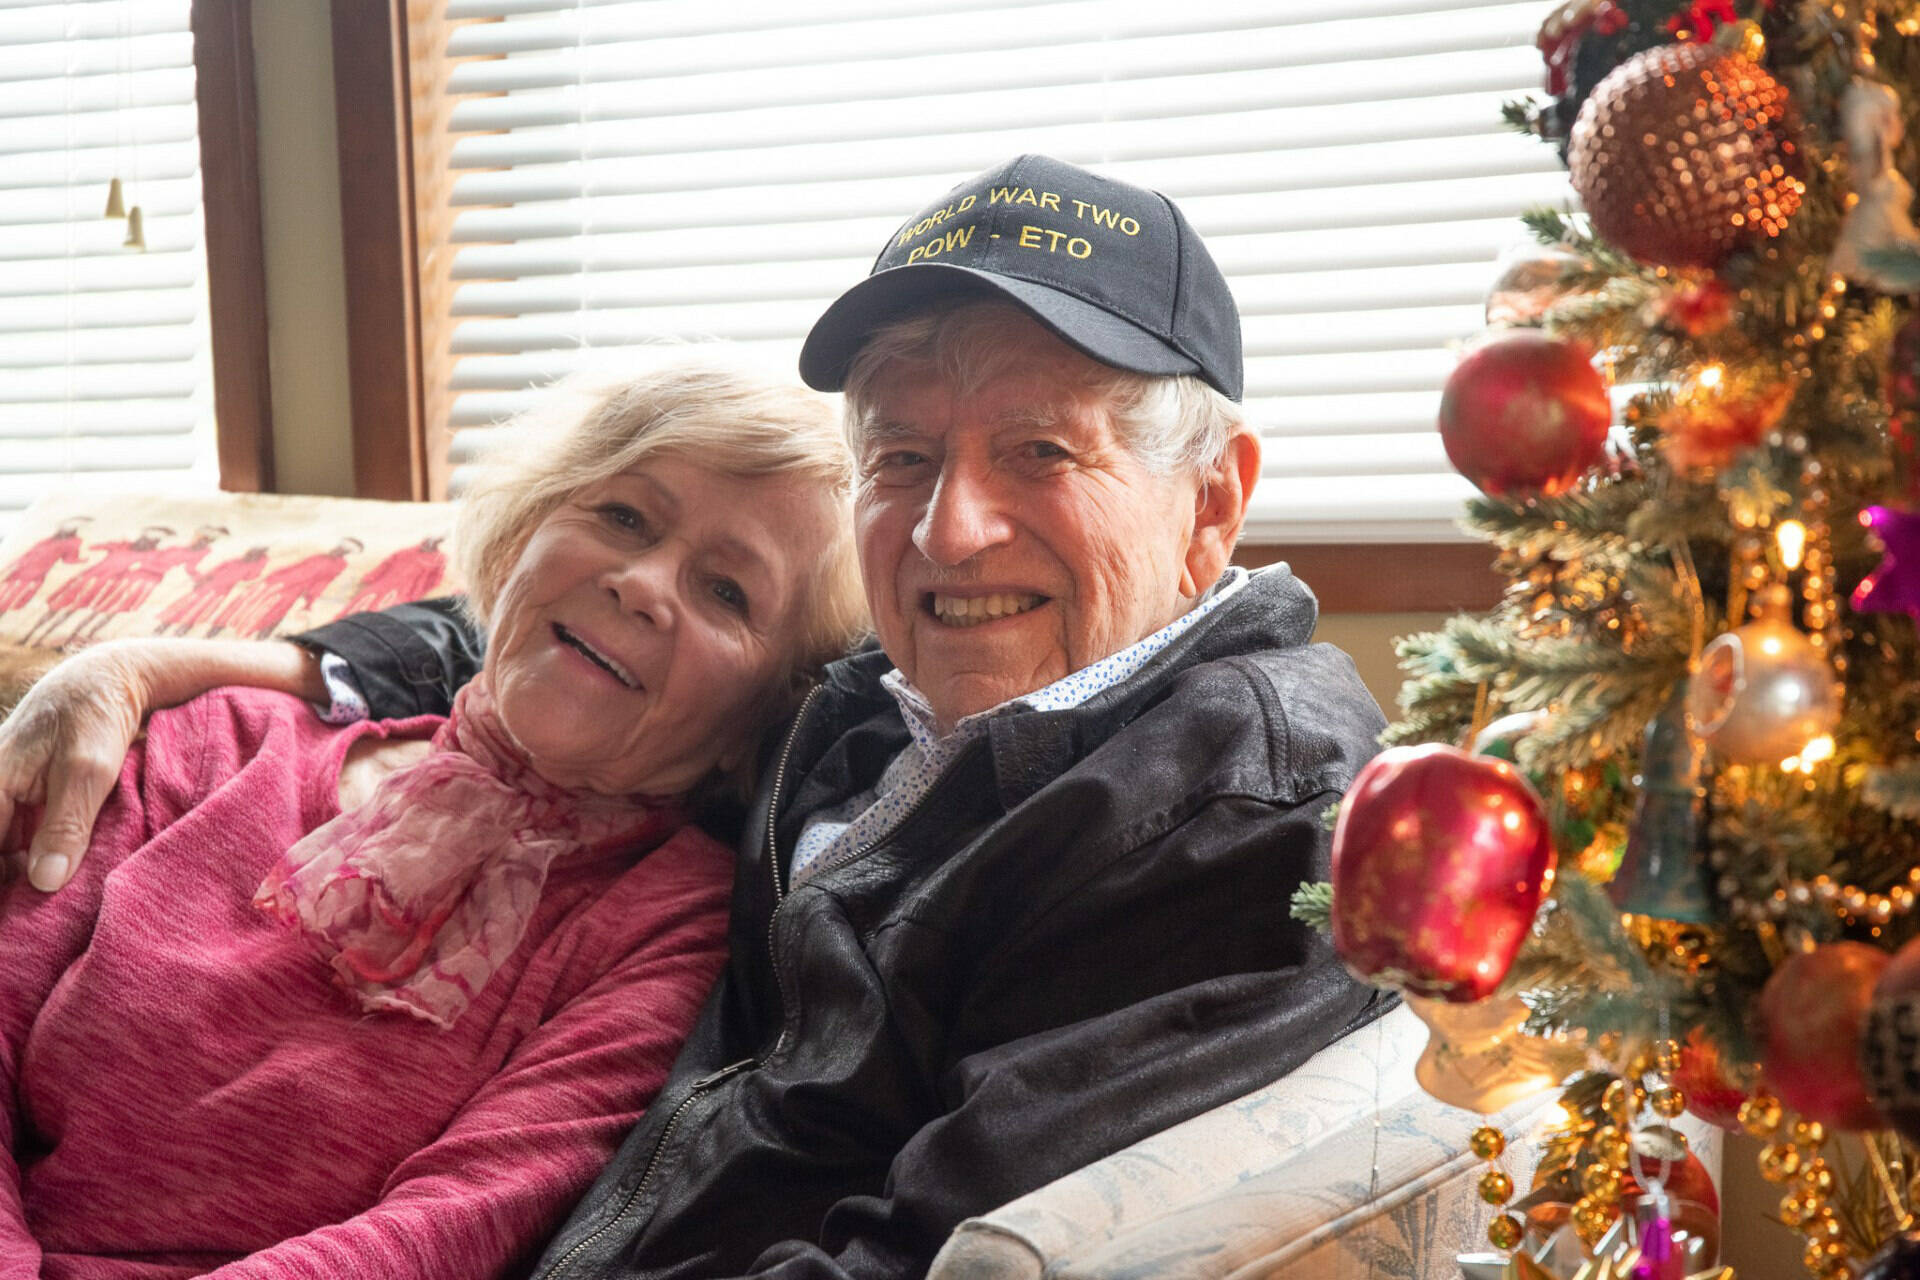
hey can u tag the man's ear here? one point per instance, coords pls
(1219, 510)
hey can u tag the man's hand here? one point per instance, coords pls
(62, 748)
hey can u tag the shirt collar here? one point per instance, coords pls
(1070, 690)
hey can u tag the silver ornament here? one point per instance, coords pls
(1763, 691)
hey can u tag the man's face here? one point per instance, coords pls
(1007, 537)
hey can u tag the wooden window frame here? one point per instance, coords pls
(229, 122)
(1388, 577)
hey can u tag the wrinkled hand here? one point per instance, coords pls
(61, 751)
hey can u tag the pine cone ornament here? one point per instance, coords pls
(1686, 153)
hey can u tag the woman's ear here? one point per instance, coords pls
(1219, 511)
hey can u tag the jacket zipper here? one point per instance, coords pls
(773, 862)
(779, 893)
(698, 1087)
(707, 1082)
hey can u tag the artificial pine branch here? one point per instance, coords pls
(1594, 716)
(1312, 905)
(1522, 115)
(1580, 522)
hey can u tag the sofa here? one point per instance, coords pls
(1344, 1168)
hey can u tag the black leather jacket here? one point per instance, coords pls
(1080, 937)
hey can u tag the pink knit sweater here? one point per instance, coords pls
(183, 1090)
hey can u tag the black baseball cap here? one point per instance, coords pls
(1112, 268)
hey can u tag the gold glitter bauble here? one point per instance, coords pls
(1496, 1187)
(1610, 1146)
(1505, 1231)
(1684, 153)
(1809, 1133)
(1618, 1101)
(1666, 1056)
(1818, 1176)
(1601, 1182)
(1487, 1142)
(1668, 1102)
(1779, 1161)
(1591, 1219)
(1760, 1115)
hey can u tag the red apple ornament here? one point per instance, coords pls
(1812, 1012)
(1440, 859)
(1525, 413)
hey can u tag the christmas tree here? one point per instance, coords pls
(1659, 809)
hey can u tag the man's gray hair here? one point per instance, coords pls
(1169, 422)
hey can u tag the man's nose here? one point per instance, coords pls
(964, 516)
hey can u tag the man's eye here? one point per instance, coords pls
(898, 467)
(1041, 455)
(729, 593)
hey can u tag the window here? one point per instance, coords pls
(104, 371)
(672, 168)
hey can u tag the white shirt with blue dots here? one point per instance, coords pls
(868, 818)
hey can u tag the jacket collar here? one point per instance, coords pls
(1275, 610)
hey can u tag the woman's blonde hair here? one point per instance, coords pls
(698, 406)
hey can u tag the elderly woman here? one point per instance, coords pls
(381, 1000)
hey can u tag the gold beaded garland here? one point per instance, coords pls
(1504, 1232)
(1495, 1187)
(1823, 1225)
(1779, 1161)
(1821, 1255)
(1760, 1115)
(1487, 1142)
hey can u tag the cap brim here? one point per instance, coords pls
(846, 325)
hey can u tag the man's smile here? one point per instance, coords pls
(972, 610)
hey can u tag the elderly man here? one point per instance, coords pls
(1013, 892)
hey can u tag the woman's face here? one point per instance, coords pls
(647, 621)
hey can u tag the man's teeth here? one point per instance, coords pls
(613, 668)
(969, 611)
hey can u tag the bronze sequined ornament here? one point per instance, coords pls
(1684, 154)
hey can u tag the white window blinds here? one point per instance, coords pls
(676, 168)
(104, 373)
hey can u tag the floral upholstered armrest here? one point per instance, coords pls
(1344, 1167)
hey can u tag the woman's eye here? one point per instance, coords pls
(622, 516)
(729, 593)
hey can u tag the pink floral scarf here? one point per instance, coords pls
(416, 897)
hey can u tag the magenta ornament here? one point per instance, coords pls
(1894, 584)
